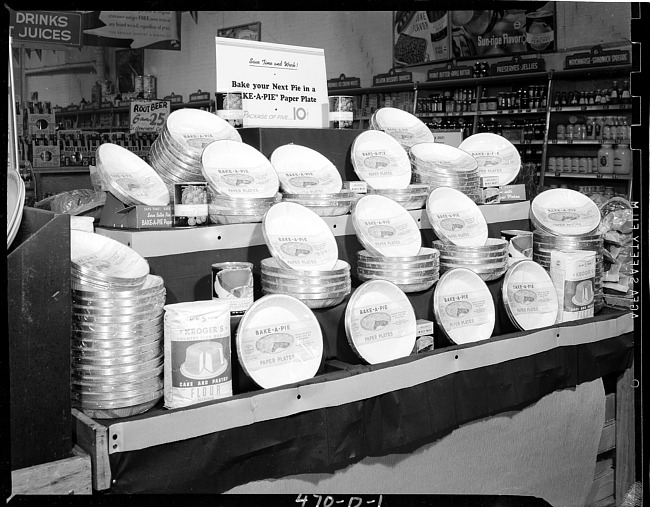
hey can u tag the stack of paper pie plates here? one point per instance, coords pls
(463, 307)
(489, 261)
(176, 152)
(496, 156)
(15, 204)
(380, 161)
(324, 205)
(455, 218)
(129, 178)
(279, 341)
(102, 263)
(529, 296)
(380, 322)
(316, 289)
(411, 274)
(405, 128)
(544, 244)
(411, 198)
(564, 212)
(302, 170)
(117, 349)
(385, 228)
(238, 170)
(440, 165)
(223, 209)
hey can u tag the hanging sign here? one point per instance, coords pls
(450, 71)
(597, 57)
(518, 65)
(133, 29)
(281, 85)
(148, 115)
(343, 83)
(49, 27)
(392, 77)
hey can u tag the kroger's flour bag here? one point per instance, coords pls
(573, 274)
(197, 352)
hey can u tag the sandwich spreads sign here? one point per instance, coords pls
(281, 86)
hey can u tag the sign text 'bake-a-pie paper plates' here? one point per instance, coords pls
(496, 156)
(455, 218)
(380, 322)
(129, 177)
(385, 228)
(406, 128)
(463, 306)
(380, 161)
(303, 170)
(279, 341)
(238, 170)
(191, 130)
(529, 296)
(298, 238)
(564, 212)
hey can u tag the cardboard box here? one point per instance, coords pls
(118, 214)
(45, 156)
(41, 124)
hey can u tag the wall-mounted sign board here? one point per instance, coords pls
(450, 71)
(597, 57)
(518, 65)
(45, 27)
(343, 83)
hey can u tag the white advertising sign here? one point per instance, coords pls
(148, 115)
(448, 137)
(281, 86)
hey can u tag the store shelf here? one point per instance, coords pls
(602, 107)
(502, 112)
(583, 142)
(588, 176)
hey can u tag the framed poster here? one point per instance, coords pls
(420, 37)
(129, 63)
(252, 31)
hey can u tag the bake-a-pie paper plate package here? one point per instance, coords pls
(380, 322)
(302, 170)
(564, 212)
(496, 156)
(380, 161)
(455, 218)
(279, 341)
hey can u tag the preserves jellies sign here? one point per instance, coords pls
(50, 27)
(281, 86)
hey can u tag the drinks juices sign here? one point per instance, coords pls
(281, 85)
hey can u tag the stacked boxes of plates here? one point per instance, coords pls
(566, 220)
(15, 204)
(440, 165)
(128, 177)
(176, 152)
(310, 179)
(383, 163)
(393, 245)
(304, 259)
(117, 328)
(463, 235)
(242, 183)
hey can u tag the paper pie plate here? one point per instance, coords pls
(456, 218)
(302, 170)
(129, 177)
(105, 259)
(298, 238)
(238, 170)
(463, 306)
(443, 160)
(385, 228)
(193, 129)
(271, 266)
(496, 156)
(15, 204)
(279, 341)
(380, 161)
(564, 212)
(380, 322)
(529, 296)
(405, 128)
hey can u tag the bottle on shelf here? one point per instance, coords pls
(590, 127)
(606, 159)
(613, 94)
(622, 159)
(625, 93)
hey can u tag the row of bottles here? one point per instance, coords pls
(459, 100)
(525, 130)
(531, 97)
(611, 159)
(600, 128)
(618, 93)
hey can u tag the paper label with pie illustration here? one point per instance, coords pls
(409, 136)
(381, 163)
(390, 232)
(568, 218)
(381, 322)
(304, 251)
(113, 262)
(245, 181)
(312, 181)
(496, 162)
(279, 345)
(465, 309)
(458, 225)
(531, 297)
